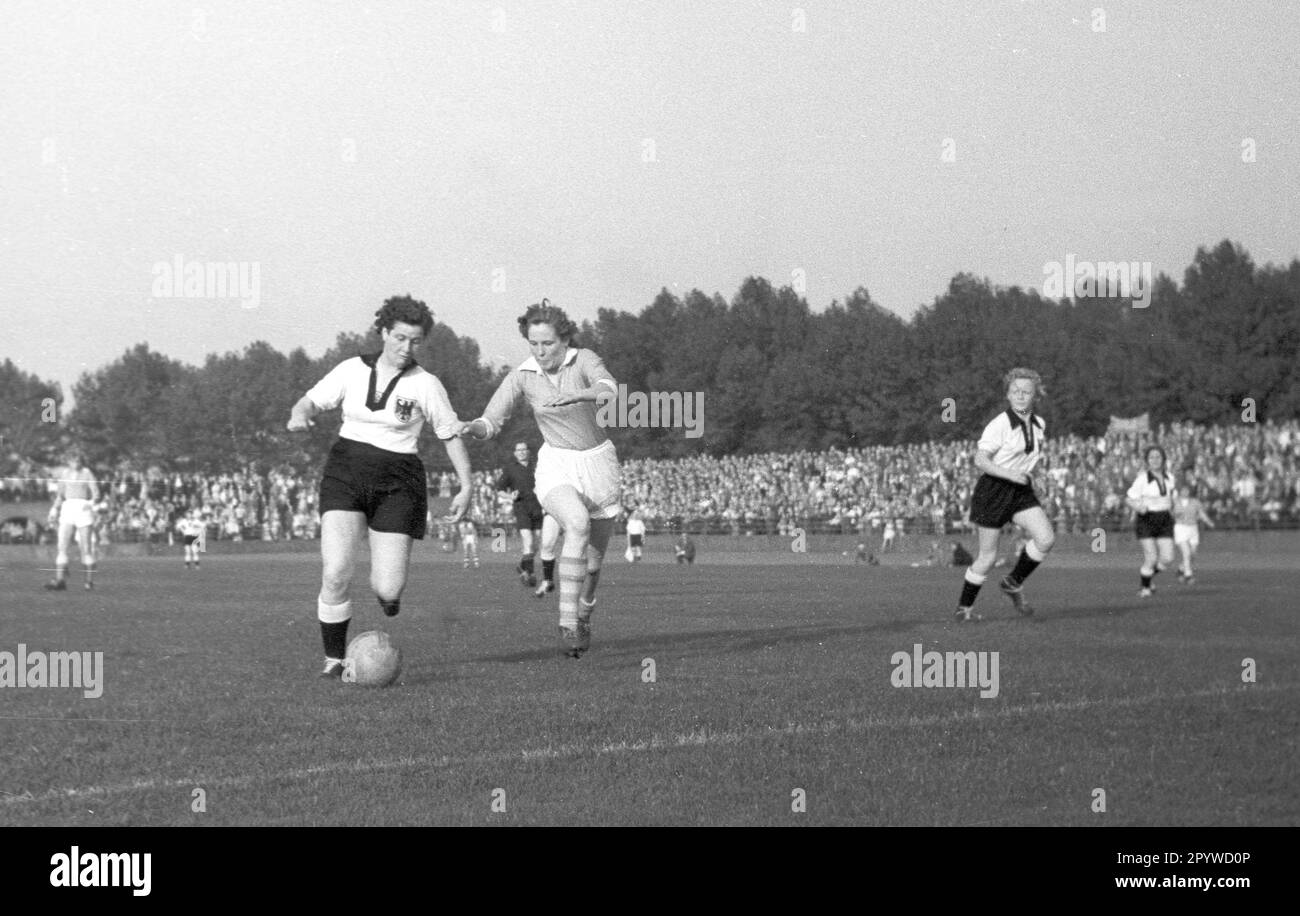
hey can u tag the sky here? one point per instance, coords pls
(480, 156)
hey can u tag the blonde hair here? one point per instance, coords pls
(1020, 372)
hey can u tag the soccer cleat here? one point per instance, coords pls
(391, 608)
(56, 585)
(1144, 593)
(1017, 595)
(546, 587)
(525, 579)
(333, 670)
(967, 615)
(572, 642)
(90, 586)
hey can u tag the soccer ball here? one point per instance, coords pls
(372, 660)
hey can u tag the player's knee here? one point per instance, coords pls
(335, 582)
(1045, 542)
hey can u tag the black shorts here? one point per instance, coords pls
(634, 540)
(528, 514)
(1154, 525)
(388, 487)
(190, 539)
(996, 501)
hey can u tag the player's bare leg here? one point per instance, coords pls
(341, 537)
(1042, 536)
(86, 544)
(60, 581)
(977, 573)
(390, 559)
(1185, 567)
(1150, 557)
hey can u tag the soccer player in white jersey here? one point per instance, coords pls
(1008, 450)
(74, 512)
(373, 477)
(468, 542)
(191, 529)
(635, 536)
(1152, 497)
(1188, 514)
(578, 477)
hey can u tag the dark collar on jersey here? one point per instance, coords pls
(1161, 480)
(1026, 428)
(372, 360)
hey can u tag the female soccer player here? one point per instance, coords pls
(1007, 451)
(1188, 513)
(1151, 497)
(373, 476)
(578, 477)
(74, 512)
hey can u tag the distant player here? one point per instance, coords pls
(887, 538)
(684, 549)
(1188, 514)
(960, 555)
(1152, 497)
(191, 529)
(374, 478)
(74, 513)
(519, 476)
(635, 536)
(469, 542)
(578, 476)
(548, 549)
(1008, 450)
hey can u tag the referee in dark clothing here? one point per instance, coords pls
(519, 477)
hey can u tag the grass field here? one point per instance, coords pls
(769, 677)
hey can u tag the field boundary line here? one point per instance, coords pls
(703, 737)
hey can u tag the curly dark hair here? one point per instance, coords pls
(1164, 459)
(545, 313)
(407, 311)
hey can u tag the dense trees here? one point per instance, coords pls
(774, 374)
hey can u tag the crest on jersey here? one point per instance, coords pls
(404, 407)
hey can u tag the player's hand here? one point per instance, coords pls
(459, 506)
(563, 400)
(466, 430)
(298, 423)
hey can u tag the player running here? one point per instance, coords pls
(1188, 513)
(1151, 497)
(1010, 447)
(468, 542)
(578, 477)
(373, 477)
(519, 476)
(74, 512)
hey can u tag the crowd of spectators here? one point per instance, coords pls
(1246, 476)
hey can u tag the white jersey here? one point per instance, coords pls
(1156, 491)
(635, 527)
(390, 419)
(1016, 444)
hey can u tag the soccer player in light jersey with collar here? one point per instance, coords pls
(1152, 498)
(74, 512)
(374, 477)
(578, 477)
(1188, 514)
(1008, 450)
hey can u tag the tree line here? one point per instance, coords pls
(775, 375)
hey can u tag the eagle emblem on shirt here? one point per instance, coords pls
(404, 408)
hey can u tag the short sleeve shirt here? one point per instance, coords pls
(391, 419)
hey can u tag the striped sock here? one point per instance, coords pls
(573, 570)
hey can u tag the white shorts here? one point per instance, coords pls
(594, 473)
(1187, 534)
(78, 512)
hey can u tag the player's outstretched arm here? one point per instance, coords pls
(459, 455)
(300, 417)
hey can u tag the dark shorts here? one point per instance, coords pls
(388, 487)
(190, 539)
(634, 540)
(1154, 525)
(996, 501)
(528, 514)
